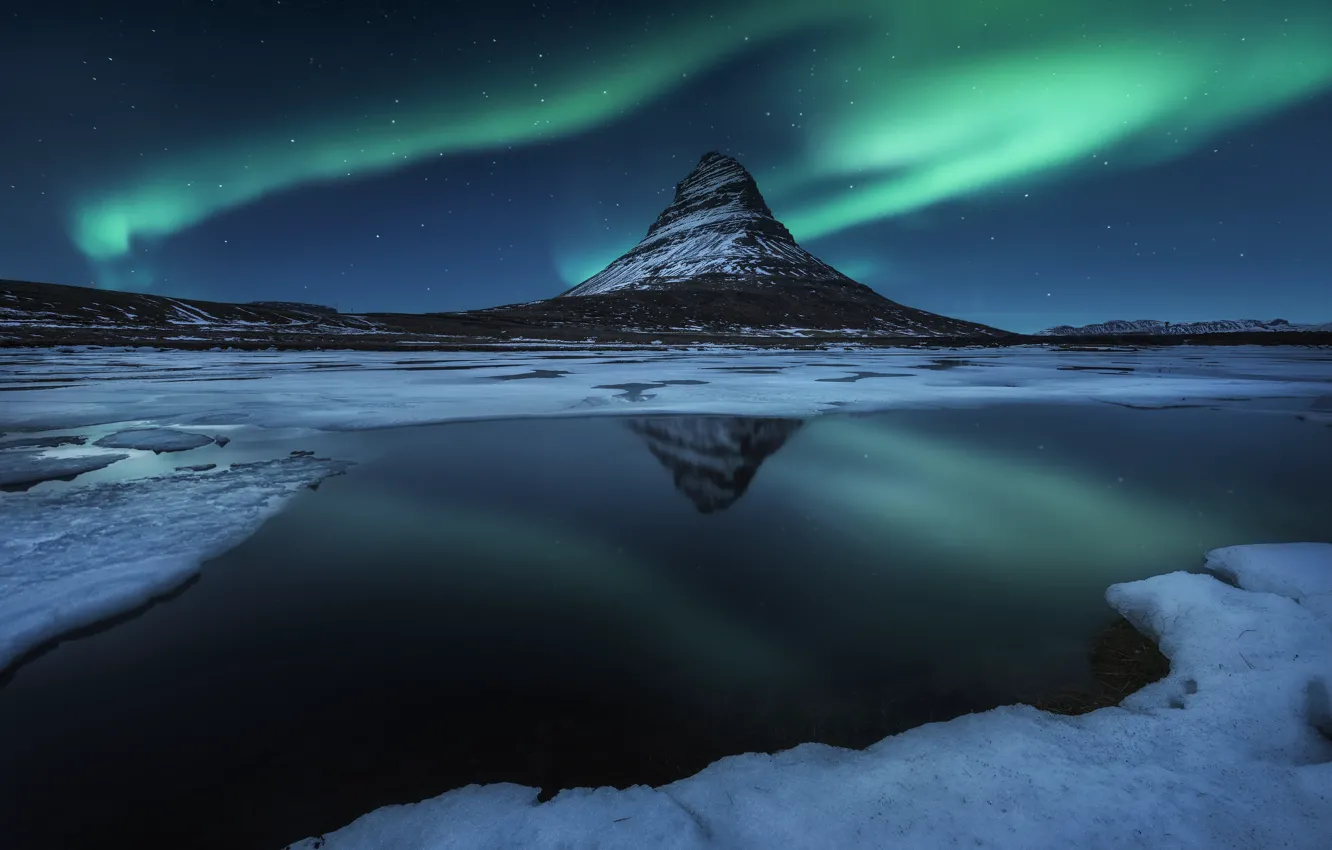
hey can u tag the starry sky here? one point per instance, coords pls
(1021, 163)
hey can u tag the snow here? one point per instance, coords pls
(711, 227)
(21, 468)
(1222, 753)
(155, 440)
(189, 315)
(349, 390)
(71, 557)
(1294, 570)
(712, 246)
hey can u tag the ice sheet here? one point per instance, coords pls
(21, 468)
(1226, 752)
(352, 390)
(43, 442)
(71, 557)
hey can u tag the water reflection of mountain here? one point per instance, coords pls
(713, 458)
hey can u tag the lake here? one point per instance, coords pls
(611, 601)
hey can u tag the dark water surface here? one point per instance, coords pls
(610, 601)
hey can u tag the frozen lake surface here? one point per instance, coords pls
(849, 545)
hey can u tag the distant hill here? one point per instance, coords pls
(49, 314)
(295, 306)
(1154, 327)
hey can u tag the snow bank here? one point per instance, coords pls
(1226, 752)
(1295, 570)
(71, 557)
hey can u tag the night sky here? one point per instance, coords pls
(1021, 163)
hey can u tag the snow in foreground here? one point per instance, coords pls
(69, 558)
(1231, 750)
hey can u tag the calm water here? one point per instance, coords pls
(612, 601)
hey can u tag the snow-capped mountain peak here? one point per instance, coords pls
(719, 188)
(717, 229)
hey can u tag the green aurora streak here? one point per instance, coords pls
(949, 126)
(479, 113)
(916, 102)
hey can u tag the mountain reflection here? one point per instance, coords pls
(713, 458)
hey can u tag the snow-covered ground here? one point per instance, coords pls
(1232, 750)
(348, 390)
(1226, 752)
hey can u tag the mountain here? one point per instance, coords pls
(719, 230)
(1154, 327)
(715, 266)
(717, 259)
(719, 308)
(713, 458)
(38, 313)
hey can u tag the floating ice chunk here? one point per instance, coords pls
(155, 440)
(70, 558)
(1228, 751)
(22, 468)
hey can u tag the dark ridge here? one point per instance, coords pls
(708, 312)
(295, 306)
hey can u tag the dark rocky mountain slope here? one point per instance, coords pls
(717, 259)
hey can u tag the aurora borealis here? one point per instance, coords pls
(1017, 162)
